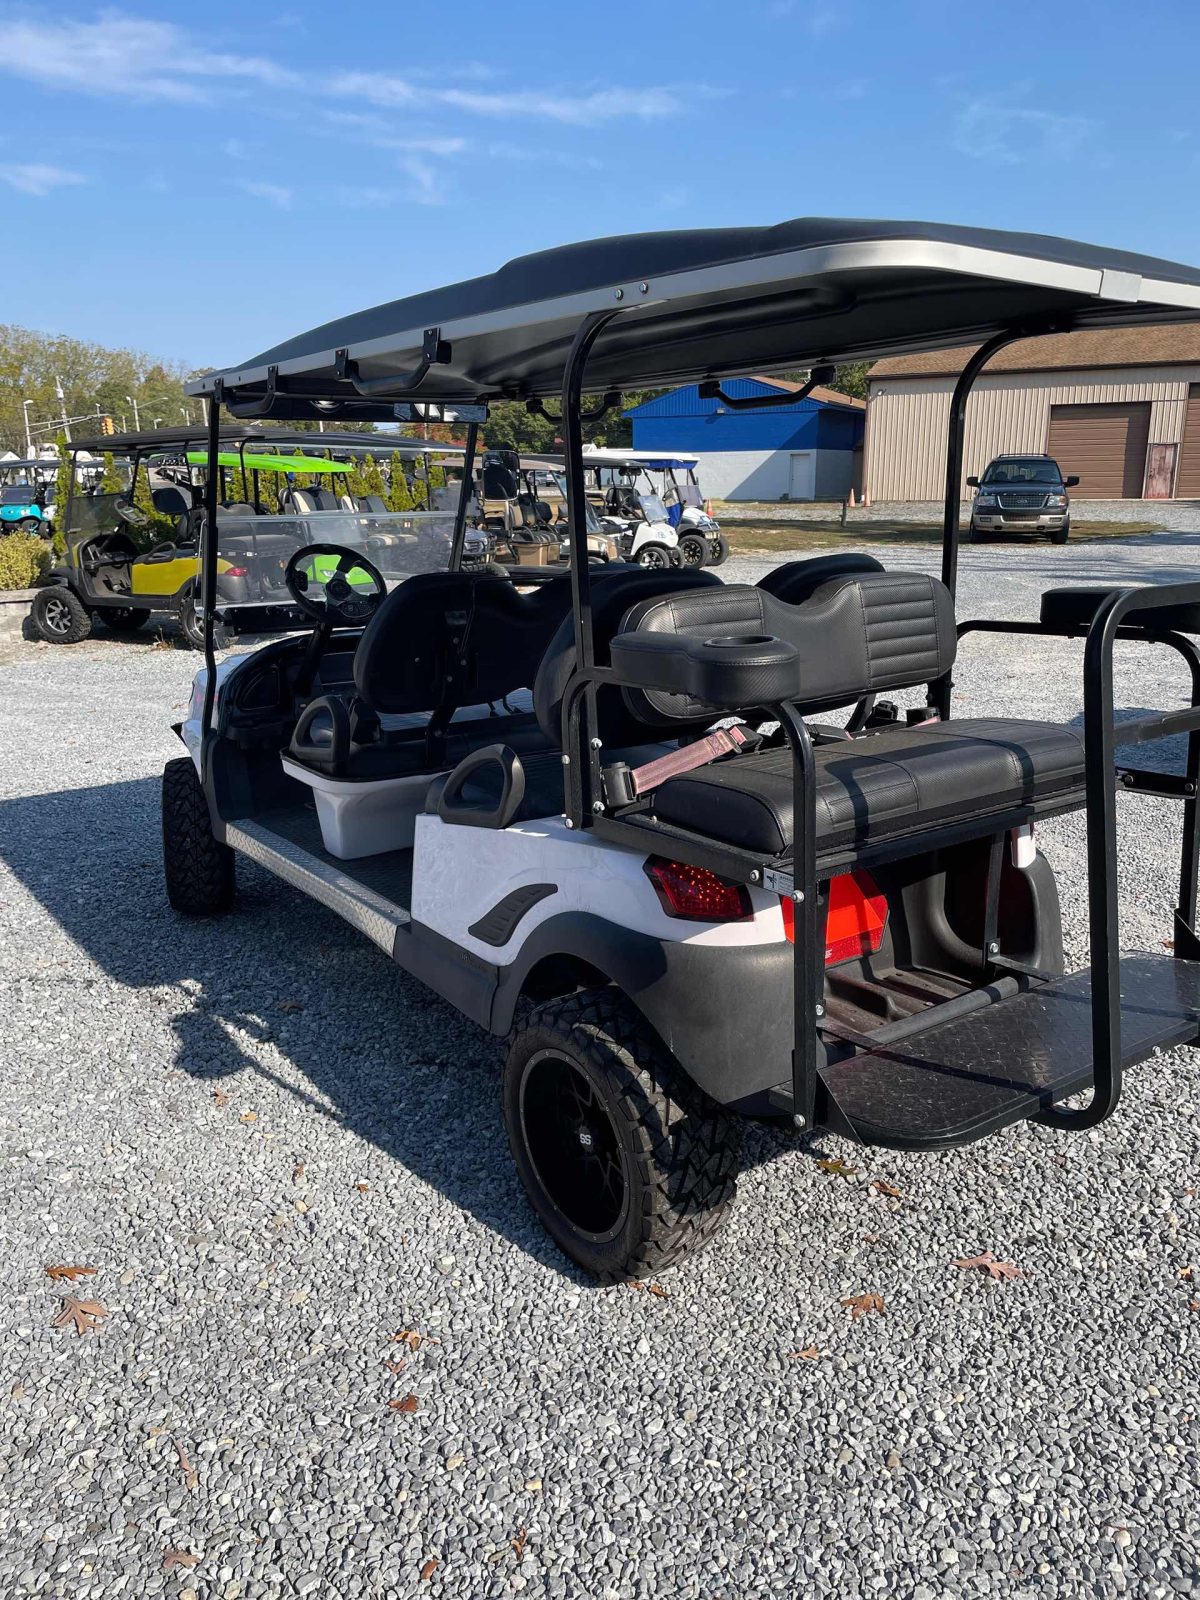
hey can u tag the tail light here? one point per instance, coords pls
(236, 572)
(697, 893)
(855, 918)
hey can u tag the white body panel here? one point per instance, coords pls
(460, 873)
(191, 729)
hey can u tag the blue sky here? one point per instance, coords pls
(200, 182)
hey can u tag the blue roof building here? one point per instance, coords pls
(808, 451)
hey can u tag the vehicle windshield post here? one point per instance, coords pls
(583, 771)
(464, 497)
(208, 570)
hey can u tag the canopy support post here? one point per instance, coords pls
(581, 762)
(940, 690)
(208, 568)
(464, 497)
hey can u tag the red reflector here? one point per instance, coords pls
(235, 572)
(695, 892)
(854, 921)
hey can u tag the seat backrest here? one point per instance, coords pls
(613, 591)
(855, 635)
(474, 625)
(374, 503)
(796, 581)
(326, 500)
(170, 501)
(297, 502)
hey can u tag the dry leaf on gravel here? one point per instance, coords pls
(809, 1353)
(69, 1273)
(1194, 1305)
(83, 1315)
(518, 1544)
(363, 1188)
(1184, 1272)
(248, 1116)
(413, 1339)
(290, 1005)
(395, 1367)
(885, 1188)
(190, 1476)
(221, 1098)
(655, 1289)
(987, 1262)
(178, 1558)
(861, 1305)
(408, 1405)
(297, 1172)
(836, 1167)
(428, 1570)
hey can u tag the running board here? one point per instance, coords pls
(369, 912)
(1008, 1062)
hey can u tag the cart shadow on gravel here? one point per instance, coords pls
(378, 1053)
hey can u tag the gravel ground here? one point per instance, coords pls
(278, 1152)
(1181, 516)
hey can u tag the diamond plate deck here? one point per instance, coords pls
(965, 1079)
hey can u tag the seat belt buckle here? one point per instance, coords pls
(624, 784)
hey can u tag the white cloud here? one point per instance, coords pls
(991, 128)
(36, 177)
(424, 189)
(275, 194)
(132, 57)
(584, 110)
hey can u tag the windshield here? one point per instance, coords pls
(1035, 470)
(591, 520)
(253, 551)
(652, 508)
(20, 494)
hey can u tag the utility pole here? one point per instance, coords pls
(58, 389)
(137, 427)
(25, 405)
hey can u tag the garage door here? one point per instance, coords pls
(1187, 479)
(1104, 445)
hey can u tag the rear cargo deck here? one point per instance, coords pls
(1006, 1062)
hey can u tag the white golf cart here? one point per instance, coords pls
(635, 512)
(597, 816)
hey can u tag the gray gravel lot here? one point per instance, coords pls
(278, 1152)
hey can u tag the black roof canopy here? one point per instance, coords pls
(234, 435)
(707, 303)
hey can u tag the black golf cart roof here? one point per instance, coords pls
(705, 303)
(235, 435)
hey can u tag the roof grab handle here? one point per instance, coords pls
(536, 408)
(711, 389)
(435, 352)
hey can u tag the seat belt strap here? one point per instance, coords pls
(623, 784)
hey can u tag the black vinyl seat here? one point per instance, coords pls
(881, 785)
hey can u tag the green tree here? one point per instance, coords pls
(851, 379)
(399, 497)
(112, 481)
(62, 493)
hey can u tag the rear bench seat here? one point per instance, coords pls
(855, 635)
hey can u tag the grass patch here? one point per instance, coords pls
(746, 536)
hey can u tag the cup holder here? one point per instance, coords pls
(738, 641)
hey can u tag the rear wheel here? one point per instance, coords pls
(198, 868)
(694, 549)
(628, 1166)
(123, 619)
(654, 555)
(189, 623)
(59, 616)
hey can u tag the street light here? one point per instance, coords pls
(185, 414)
(25, 405)
(137, 427)
(157, 420)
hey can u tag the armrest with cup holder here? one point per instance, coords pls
(735, 670)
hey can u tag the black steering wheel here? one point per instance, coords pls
(334, 584)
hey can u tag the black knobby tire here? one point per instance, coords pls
(1063, 534)
(694, 549)
(59, 616)
(189, 623)
(122, 619)
(719, 551)
(198, 868)
(646, 1170)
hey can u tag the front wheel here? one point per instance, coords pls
(30, 525)
(628, 1166)
(1063, 534)
(123, 619)
(198, 868)
(59, 616)
(718, 550)
(694, 549)
(654, 555)
(189, 623)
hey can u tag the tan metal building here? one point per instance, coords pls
(1118, 406)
